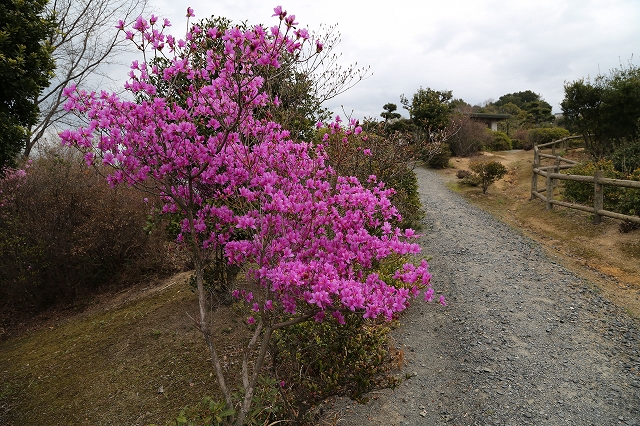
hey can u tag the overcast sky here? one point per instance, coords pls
(479, 49)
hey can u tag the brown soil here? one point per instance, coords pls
(600, 253)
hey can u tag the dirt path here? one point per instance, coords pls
(523, 340)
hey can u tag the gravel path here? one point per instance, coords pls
(522, 342)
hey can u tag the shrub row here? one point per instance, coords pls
(617, 199)
(64, 233)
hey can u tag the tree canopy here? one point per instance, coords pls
(606, 111)
(26, 67)
(528, 106)
(428, 108)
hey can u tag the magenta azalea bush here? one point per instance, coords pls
(191, 133)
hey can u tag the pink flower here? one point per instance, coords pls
(277, 11)
(443, 302)
(190, 13)
(289, 20)
(428, 295)
(251, 320)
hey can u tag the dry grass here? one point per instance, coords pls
(133, 361)
(600, 253)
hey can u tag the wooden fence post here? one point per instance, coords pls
(549, 190)
(534, 175)
(598, 196)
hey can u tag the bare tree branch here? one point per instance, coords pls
(85, 45)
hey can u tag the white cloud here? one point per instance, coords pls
(479, 49)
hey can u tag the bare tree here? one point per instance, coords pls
(85, 44)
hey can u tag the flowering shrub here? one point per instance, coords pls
(372, 152)
(309, 237)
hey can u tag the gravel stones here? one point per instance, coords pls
(523, 341)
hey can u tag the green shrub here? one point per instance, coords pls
(441, 159)
(629, 198)
(626, 158)
(582, 192)
(546, 134)
(500, 142)
(487, 172)
(320, 359)
(617, 199)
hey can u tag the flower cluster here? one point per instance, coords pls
(194, 137)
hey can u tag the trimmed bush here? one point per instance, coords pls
(487, 172)
(546, 134)
(499, 142)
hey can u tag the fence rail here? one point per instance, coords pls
(552, 175)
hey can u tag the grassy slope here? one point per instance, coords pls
(107, 367)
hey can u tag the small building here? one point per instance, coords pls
(491, 120)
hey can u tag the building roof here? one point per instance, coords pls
(484, 116)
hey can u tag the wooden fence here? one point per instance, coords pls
(552, 175)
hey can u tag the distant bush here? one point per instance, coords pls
(499, 142)
(441, 159)
(546, 134)
(487, 172)
(64, 233)
(470, 137)
(520, 140)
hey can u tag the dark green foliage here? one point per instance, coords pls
(546, 134)
(536, 109)
(626, 158)
(429, 109)
(26, 67)
(487, 172)
(499, 142)
(320, 359)
(389, 112)
(582, 192)
(616, 199)
(441, 159)
(65, 233)
(606, 111)
(629, 198)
